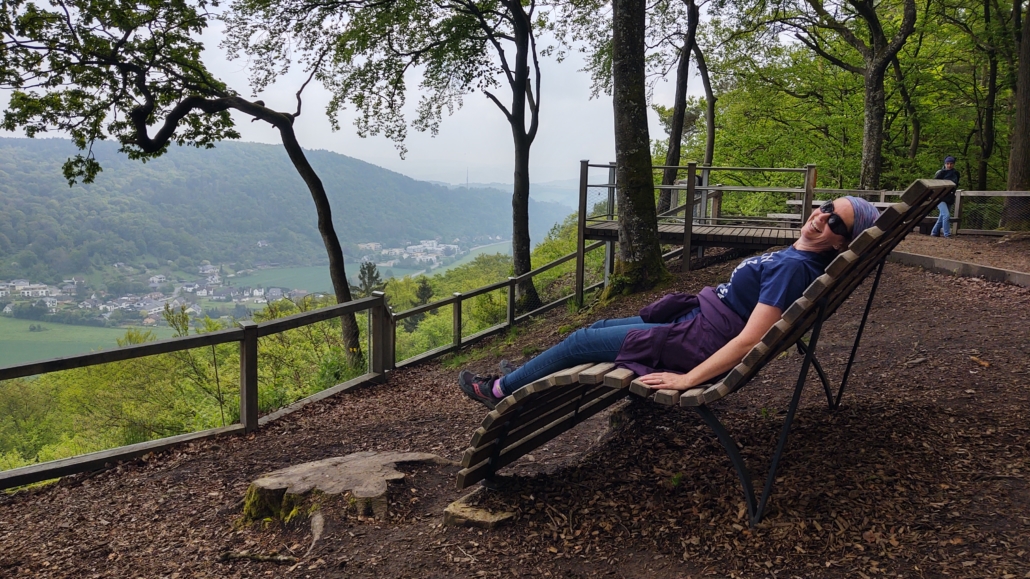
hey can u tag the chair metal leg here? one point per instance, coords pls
(757, 508)
(858, 335)
(819, 370)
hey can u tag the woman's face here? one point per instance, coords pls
(816, 231)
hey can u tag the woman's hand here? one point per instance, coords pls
(666, 381)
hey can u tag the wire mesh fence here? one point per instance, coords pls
(993, 212)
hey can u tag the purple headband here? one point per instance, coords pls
(865, 215)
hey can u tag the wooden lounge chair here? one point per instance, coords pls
(540, 411)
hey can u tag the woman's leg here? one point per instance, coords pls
(617, 322)
(582, 346)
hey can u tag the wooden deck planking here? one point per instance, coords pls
(755, 237)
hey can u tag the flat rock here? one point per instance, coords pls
(461, 514)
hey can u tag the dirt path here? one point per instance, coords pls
(922, 473)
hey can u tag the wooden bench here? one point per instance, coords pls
(538, 412)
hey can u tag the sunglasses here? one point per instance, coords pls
(835, 221)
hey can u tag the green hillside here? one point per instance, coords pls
(217, 205)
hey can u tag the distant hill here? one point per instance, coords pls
(564, 192)
(218, 204)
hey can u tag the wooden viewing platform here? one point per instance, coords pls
(738, 236)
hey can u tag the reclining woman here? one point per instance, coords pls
(683, 340)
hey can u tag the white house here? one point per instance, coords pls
(8, 309)
(258, 292)
(202, 293)
(35, 290)
(373, 246)
(158, 279)
(4, 292)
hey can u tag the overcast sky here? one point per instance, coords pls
(474, 143)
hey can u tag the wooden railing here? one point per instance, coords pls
(697, 200)
(382, 342)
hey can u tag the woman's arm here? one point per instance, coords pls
(724, 359)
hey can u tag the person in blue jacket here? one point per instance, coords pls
(943, 225)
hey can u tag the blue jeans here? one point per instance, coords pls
(943, 225)
(600, 342)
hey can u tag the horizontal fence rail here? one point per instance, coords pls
(246, 335)
(456, 300)
(382, 338)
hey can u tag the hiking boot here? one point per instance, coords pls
(478, 388)
(506, 367)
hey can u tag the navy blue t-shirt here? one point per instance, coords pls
(774, 279)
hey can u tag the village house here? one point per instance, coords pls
(258, 292)
(373, 246)
(207, 269)
(274, 293)
(190, 287)
(49, 303)
(201, 292)
(4, 291)
(34, 290)
(158, 279)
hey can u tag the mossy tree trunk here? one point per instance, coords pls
(639, 264)
(1016, 213)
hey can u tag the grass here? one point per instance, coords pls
(18, 345)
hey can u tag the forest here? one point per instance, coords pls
(216, 205)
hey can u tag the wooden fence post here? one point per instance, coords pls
(956, 220)
(609, 246)
(806, 203)
(457, 320)
(688, 213)
(380, 336)
(249, 376)
(581, 230)
(511, 302)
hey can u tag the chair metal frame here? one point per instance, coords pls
(756, 505)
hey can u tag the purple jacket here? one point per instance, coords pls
(679, 347)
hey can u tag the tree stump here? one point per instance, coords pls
(366, 475)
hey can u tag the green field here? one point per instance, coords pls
(18, 345)
(316, 278)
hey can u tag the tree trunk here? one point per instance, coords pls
(702, 69)
(679, 108)
(639, 264)
(987, 132)
(872, 130)
(337, 273)
(525, 293)
(1016, 213)
(910, 109)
